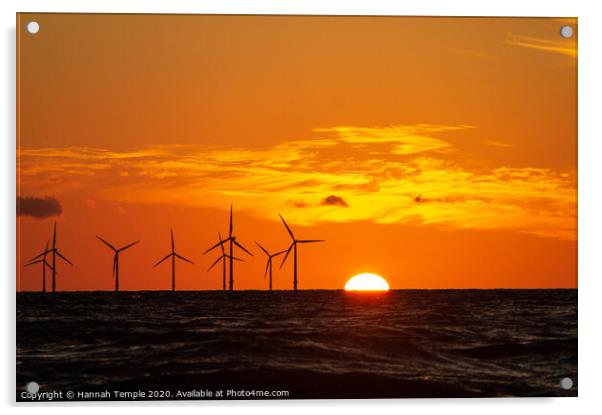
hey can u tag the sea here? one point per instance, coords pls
(310, 344)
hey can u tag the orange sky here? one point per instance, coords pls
(437, 152)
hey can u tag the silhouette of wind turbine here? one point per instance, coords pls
(294, 248)
(44, 263)
(115, 272)
(55, 252)
(223, 258)
(173, 256)
(233, 241)
(268, 265)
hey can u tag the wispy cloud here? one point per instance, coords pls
(400, 174)
(403, 139)
(562, 46)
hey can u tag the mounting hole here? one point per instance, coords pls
(32, 387)
(33, 27)
(566, 383)
(566, 32)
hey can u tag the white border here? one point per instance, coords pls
(590, 201)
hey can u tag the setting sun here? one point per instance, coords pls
(367, 282)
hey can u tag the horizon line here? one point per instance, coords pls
(305, 289)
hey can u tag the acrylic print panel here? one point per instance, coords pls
(287, 207)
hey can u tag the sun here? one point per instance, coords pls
(367, 282)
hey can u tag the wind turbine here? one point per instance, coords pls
(173, 256)
(294, 247)
(233, 241)
(268, 265)
(223, 258)
(116, 259)
(55, 252)
(44, 263)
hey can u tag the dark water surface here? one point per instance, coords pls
(314, 344)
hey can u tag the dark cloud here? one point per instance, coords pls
(333, 200)
(422, 199)
(449, 199)
(38, 207)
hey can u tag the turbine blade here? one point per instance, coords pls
(34, 262)
(221, 243)
(173, 244)
(278, 253)
(49, 266)
(262, 248)
(267, 265)
(54, 236)
(164, 258)
(47, 243)
(106, 243)
(182, 258)
(64, 259)
(309, 241)
(39, 256)
(288, 251)
(215, 263)
(128, 246)
(287, 228)
(241, 247)
(114, 266)
(215, 246)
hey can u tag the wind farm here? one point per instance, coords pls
(226, 250)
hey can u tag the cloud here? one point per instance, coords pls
(402, 139)
(333, 200)
(39, 208)
(564, 46)
(382, 170)
(421, 199)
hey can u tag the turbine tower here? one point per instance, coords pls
(268, 265)
(294, 248)
(232, 239)
(173, 256)
(223, 258)
(116, 259)
(55, 253)
(44, 263)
